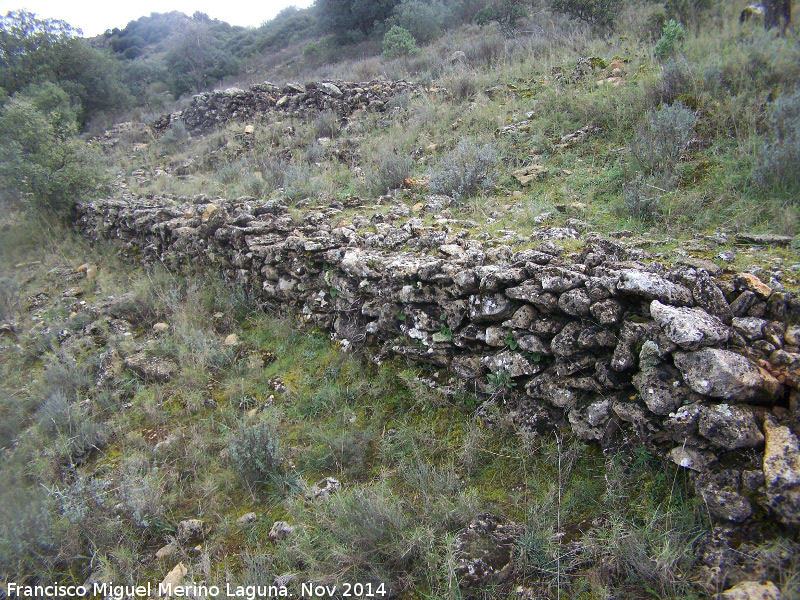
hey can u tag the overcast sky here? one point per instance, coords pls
(94, 16)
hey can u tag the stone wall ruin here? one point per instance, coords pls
(700, 364)
(211, 109)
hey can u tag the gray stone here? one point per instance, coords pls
(607, 312)
(512, 363)
(467, 367)
(246, 520)
(590, 423)
(730, 427)
(690, 328)
(558, 280)
(566, 342)
(330, 89)
(532, 293)
(522, 318)
(660, 388)
(706, 294)
(727, 375)
(721, 495)
(682, 424)
(489, 308)
(752, 328)
(324, 489)
(743, 303)
(280, 531)
(155, 369)
(484, 552)
(782, 471)
(532, 344)
(690, 458)
(191, 530)
(653, 287)
(575, 302)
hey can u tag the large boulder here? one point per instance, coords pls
(782, 471)
(722, 497)
(730, 427)
(654, 287)
(752, 590)
(658, 384)
(690, 328)
(725, 374)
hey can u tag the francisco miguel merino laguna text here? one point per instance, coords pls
(250, 592)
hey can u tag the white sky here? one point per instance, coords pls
(94, 16)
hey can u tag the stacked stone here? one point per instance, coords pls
(702, 367)
(210, 109)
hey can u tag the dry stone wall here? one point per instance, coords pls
(701, 365)
(210, 109)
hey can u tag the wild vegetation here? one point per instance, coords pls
(669, 120)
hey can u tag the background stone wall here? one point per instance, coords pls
(700, 365)
(210, 109)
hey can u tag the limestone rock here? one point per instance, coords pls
(707, 294)
(590, 423)
(607, 312)
(750, 282)
(782, 471)
(575, 302)
(721, 495)
(484, 552)
(558, 280)
(167, 551)
(690, 458)
(488, 308)
(192, 530)
(246, 519)
(654, 287)
(730, 427)
(174, 578)
(324, 488)
(526, 175)
(280, 531)
(151, 368)
(512, 363)
(467, 367)
(752, 590)
(658, 384)
(725, 374)
(690, 328)
(752, 328)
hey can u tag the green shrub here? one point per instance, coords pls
(41, 160)
(28, 538)
(327, 124)
(255, 452)
(641, 199)
(141, 493)
(661, 141)
(175, 135)
(423, 20)
(388, 169)
(399, 42)
(464, 170)
(671, 36)
(600, 13)
(779, 159)
(9, 298)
